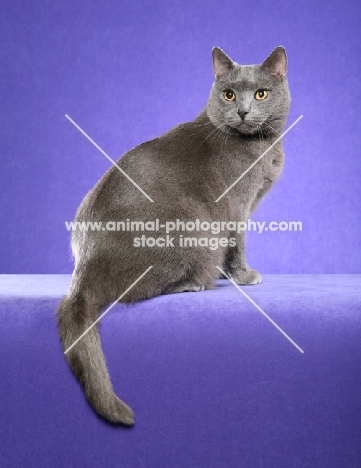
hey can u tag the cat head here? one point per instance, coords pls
(249, 99)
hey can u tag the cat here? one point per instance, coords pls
(184, 172)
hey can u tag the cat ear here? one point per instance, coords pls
(276, 63)
(222, 64)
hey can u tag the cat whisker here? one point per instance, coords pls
(217, 128)
(224, 143)
(198, 131)
(202, 125)
(217, 137)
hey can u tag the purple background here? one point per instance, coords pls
(127, 71)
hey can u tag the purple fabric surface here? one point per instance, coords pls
(212, 382)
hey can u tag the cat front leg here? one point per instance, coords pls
(267, 184)
(236, 264)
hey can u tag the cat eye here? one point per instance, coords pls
(261, 94)
(229, 95)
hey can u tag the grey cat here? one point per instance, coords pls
(184, 171)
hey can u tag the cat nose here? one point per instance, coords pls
(242, 113)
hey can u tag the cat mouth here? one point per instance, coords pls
(245, 127)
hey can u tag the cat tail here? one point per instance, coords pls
(86, 358)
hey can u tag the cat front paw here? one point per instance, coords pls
(246, 276)
(185, 287)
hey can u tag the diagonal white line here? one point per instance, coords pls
(263, 154)
(108, 157)
(108, 309)
(262, 311)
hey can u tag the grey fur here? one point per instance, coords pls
(184, 171)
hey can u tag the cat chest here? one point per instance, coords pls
(271, 165)
(253, 168)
